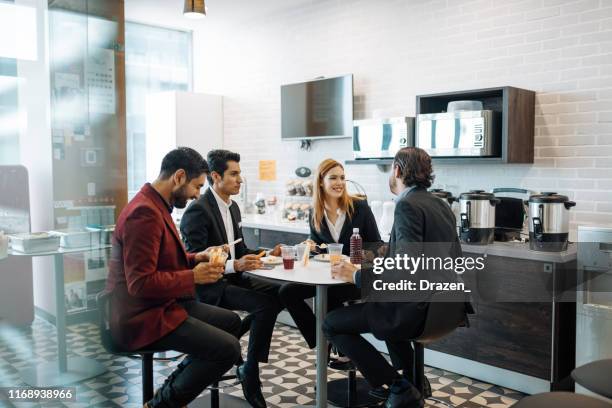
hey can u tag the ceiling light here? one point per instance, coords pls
(194, 9)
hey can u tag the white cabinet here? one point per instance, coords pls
(181, 119)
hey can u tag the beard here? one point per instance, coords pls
(392, 184)
(180, 198)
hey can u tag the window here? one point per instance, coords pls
(157, 59)
(9, 112)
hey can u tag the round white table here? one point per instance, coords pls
(316, 274)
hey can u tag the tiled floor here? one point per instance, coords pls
(288, 379)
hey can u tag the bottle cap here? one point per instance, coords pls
(355, 230)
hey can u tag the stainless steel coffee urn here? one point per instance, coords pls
(549, 222)
(446, 196)
(477, 217)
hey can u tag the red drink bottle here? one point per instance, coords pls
(356, 247)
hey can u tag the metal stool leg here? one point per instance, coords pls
(216, 399)
(419, 367)
(352, 387)
(351, 392)
(147, 377)
(419, 374)
(214, 395)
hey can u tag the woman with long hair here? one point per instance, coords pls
(335, 213)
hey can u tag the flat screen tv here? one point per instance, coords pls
(318, 109)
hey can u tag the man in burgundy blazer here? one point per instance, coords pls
(152, 285)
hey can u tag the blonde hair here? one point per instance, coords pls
(318, 194)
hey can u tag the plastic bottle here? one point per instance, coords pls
(356, 247)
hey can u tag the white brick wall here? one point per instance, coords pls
(562, 49)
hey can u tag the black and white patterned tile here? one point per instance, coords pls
(288, 378)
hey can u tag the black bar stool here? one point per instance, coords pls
(351, 392)
(561, 400)
(596, 377)
(213, 399)
(445, 313)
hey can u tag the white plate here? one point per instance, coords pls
(325, 257)
(272, 260)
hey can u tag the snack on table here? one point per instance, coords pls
(217, 256)
(306, 256)
(272, 260)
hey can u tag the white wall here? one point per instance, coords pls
(398, 49)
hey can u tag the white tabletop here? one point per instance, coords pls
(316, 273)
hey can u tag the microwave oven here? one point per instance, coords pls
(381, 138)
(460, 133)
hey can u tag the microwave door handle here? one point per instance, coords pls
(457, 133)
(386, 136)
(433, 134)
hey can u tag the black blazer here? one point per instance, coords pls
(361, 218)
(202, 227)
(419, 217)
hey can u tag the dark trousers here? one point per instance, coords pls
(209, 336)
(259, 298)
(293, 295)
(343, 328)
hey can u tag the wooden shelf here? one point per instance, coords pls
(435, 160)
(384, 162)
(516, 133)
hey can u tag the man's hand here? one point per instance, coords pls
(382, 250)
(205, 272)
(247, 263)
(204, 256)
(276, 251)
(343, 271)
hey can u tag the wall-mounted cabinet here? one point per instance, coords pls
(506, 119)
(513, 132)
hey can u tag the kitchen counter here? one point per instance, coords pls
(517, 250)
(273, 223)
(520, 250)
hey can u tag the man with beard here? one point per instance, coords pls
(214, 219)
(419, 218)
(152, 285)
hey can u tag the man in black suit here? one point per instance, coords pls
(420, 218)
(213, 220)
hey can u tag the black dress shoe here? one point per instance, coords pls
(336, 364)
(426, 388)
(410, 397)
(251, 388)
(380, 393)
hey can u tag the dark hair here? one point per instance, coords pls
(415, 167)
(183, 158)
(217, 160)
